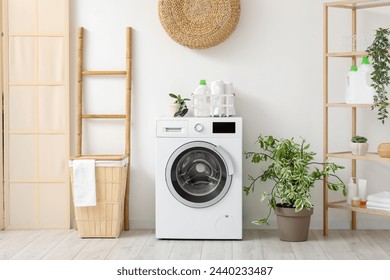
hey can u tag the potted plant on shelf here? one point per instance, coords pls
(359, 145)
(292, 170)
(179, 107)
(380, 61)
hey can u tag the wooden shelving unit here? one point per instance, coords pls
(353, 6)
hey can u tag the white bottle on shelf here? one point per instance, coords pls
(351, 85)
(201, 99)
(364, 91)
(358, 84)
(363, 191)
(352, 190)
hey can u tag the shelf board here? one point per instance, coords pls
(346, 54)
(344, 105)
(343, 205)
(348, 155)
(358, 4)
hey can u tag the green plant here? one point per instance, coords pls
(380, 60)
(182, 104)
(293, 172)
(359, 139)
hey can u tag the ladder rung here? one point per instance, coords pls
(95, 116)
(104, 73)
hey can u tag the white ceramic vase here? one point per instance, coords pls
(359, 149)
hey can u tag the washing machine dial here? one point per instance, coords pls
(198, 127)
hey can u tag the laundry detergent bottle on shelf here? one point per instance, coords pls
(351, 85)
(365, 92)
(359, 89)
(201, 99)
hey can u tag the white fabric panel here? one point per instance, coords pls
(51, 16)
(52, 204)
(52, 159)
(21, 9)
(51, 59)
(23, 208)
(22, 157)
(22, 114)
(21, 59)
(51, 108)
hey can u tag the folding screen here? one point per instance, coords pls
(36, 126)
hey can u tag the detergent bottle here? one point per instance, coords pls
(351, 85)
(359, 89)
(201, 99)
(365, 92)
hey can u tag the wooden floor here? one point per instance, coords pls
(142, 245)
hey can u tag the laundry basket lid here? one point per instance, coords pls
(199, 24)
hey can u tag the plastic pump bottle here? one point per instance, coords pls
(352, 190)
(202, 100)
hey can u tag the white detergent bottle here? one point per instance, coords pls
(351, 85)
(201, 98)
(352, 190)
(364, 92)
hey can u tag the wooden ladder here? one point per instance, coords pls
(127, 116)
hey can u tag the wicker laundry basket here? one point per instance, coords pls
(106, 218)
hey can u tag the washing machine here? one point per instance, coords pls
(199, 178)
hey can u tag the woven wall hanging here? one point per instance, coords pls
(199, 24)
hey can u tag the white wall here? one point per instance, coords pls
(274, 59)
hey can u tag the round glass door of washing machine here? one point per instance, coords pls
(197, 174)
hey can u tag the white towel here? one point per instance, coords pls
(379, 208)
(84, 183)
(381, 197)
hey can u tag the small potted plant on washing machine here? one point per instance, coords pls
(293, 172)
(179, 107)
(359, 145)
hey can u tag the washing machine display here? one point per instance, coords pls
(197, 175)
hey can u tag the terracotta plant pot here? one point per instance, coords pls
(293, 226)
(359, 149)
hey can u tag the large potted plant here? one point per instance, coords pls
(292, 169)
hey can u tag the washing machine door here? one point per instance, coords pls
(199, 174)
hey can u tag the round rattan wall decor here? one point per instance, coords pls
(199, 24)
